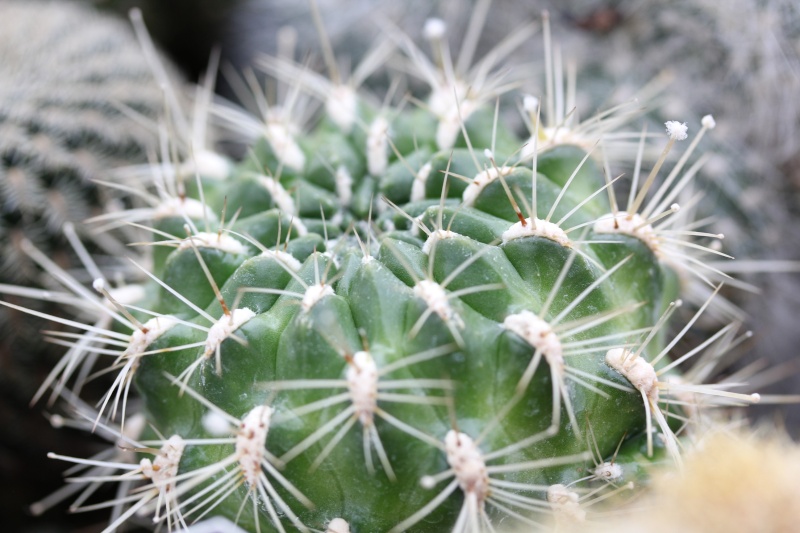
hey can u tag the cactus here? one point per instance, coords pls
(405, 317)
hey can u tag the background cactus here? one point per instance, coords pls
(67, 76)
(396, 318)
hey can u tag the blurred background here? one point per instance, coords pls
(66, 66)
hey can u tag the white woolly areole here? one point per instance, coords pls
(450, 121)
(283, 200)
(630, 224)
(639, 372)
(434, 28)
(284, 257)
(224, 328)
(420, 181)
(676, 130)
(207, 164)
(538, 334)
(163, 469)
(215, 424)
(342, 106)
(482, 179)
(608, 471)
(147, 335)
(435, 298)
(283, 144)
(251, 440)
(220, 241)
(708, 122)
(468, 465)
(338, 525)
(343, 182)
(530, 103)
(537, 227)
(180, 207)
(362, 383)
(564, 503)
(436, 236)
(378, 146)
(313, 294)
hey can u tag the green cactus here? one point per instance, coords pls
(406, 319)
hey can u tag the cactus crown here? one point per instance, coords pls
(414, 320)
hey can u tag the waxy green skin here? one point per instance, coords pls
(374, 307)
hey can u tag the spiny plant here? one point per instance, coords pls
(407, 316)
(70, 79)
(66, 100)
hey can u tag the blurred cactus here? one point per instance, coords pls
(65, 100)
(77, 99)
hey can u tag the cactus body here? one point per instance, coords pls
(408, 323)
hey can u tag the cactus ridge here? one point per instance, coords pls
(386, 332)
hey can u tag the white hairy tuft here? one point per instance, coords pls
(224, 328)
(639, 372)
(538, 334)
(220, 241)
(436, 299)
(468, 465)
(315, 293)
(676, 130)
(251, 441)
(482, 179)
(362, 383)
(537, 228)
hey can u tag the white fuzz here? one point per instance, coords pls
(436, 236)
(564, 504)
(313, 294)
(708, 122)
(342, 106)
(537, 228)
(215, 424)
(482, 179)
(608, 471)
(220, 241)
(283, 144)
(436, 298)
(284, 257)
(676, 130)
(163, 469)
(530, 103)
(250, 443)
(420, 181)
(434, 29)
(283, 200)
(206, 164)
(639, 372)
(224, 328)
(468, 465)
(378, 146)
(539, 334)
(344, 185)
(151, 330)
(338, 525)
(630, 224)
(362, 382)
(180, 207)
(451, 119)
